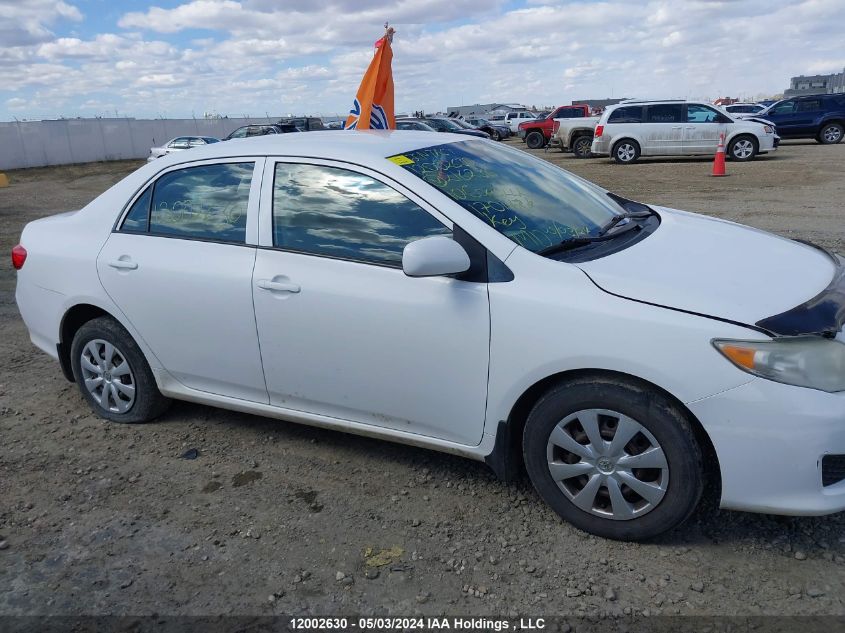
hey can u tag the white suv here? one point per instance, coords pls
(677, 128)
(513, 119)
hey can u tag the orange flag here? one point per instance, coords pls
(373, 105)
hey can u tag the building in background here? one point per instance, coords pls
(485, 109)
(816, 84)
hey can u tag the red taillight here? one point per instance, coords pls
(18, 256)
(599, 131)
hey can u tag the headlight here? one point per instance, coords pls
(769, 129)
(806, 361)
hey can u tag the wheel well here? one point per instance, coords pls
(509, 460)
(747, 135)
(626, 138)
(74, 319)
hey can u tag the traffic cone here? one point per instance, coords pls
(719, 160)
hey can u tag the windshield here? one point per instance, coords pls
(526, 199)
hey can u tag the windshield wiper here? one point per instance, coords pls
(603, 235)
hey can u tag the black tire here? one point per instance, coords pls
(626, 151)
(535, 140)
(651, 410)
(831, 134)
(494, 134)
(147, 403)
(743, 148)
(581, 146)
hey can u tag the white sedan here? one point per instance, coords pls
(180, 143)
(463, 296)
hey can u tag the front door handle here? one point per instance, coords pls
(278, 286)
(122, 264)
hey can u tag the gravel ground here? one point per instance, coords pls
(101, 518)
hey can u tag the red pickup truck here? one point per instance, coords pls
(537, 133)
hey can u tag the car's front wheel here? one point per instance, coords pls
(113, 374)
(613, 457)
(743, 148)
(535, 140)
(494, 134)
(831, 134)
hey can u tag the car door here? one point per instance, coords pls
(344, 332)
(784, 117)
(179, 267)
(703, 129)
(807, 112)
(663, 130)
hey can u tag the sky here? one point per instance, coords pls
(182, 58)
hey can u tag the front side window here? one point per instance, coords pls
(628, 114)
(701, 114)
(785, 107)
(178, 143)
(340, 213)
(526, 199)
(207, 202)
(665, 113)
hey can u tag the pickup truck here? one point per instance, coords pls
(537, 133)
(574, 135)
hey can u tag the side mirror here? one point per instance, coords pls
(434, 256)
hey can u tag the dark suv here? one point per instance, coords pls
(303, 123)
(821, 117)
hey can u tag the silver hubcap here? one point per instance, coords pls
(607, 464)
(582, 146)
(832, 134)
(743, 148)
(107, 376)
(626, 152)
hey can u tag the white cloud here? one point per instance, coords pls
(306, 56)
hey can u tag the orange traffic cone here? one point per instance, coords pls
(719, 160)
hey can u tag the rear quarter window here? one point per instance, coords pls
(628, 114)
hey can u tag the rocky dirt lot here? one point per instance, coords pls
(100, 518)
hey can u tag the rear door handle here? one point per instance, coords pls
(278, 286)
(122, 264)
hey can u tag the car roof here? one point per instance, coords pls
(355, 146)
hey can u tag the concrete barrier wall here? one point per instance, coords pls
(42, 143)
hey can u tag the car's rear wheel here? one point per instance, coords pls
(613, 458)
(626, 151)
(535, 140)
(743, 148)
(113, 374)
(581, 146)
(831, 134)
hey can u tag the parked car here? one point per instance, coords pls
(743, 108)
(538, 132)
(496, 131)
(821, 117)
(490, 132)
(456, 294)
(677, 128)
(574, 135)
(444, 124)
(513, 119)
(303, 124)
(179, 144)
(260, 130)
(413, 124)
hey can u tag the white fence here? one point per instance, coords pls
(41, 143)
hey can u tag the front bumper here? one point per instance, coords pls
(770, 439)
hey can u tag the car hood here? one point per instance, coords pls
(727, 271)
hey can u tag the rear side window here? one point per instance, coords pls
(340, 213)
(138, 218)
(207, 202)
(628, 114)
(665, 113)
(809, 105)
